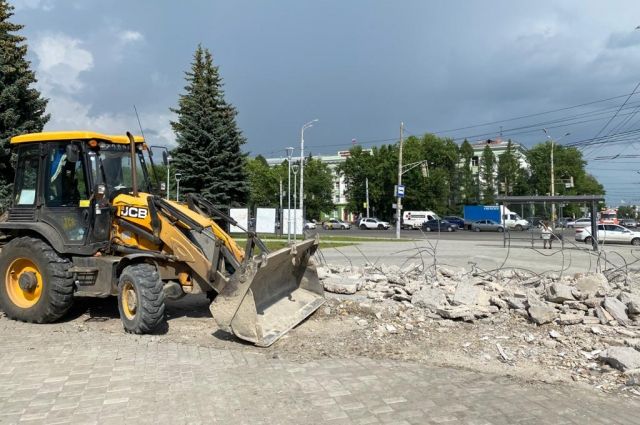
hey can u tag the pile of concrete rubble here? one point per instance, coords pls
(590, 303)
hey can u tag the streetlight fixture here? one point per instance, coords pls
(166, 160)
(553, 174)
(289, 153)
(294, 168)
(178, 176)
(304, 127)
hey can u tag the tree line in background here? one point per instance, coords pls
(450, 179)
(265, 181)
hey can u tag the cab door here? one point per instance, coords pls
(66, 192)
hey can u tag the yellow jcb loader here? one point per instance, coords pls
(84, 221)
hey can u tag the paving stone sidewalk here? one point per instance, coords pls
(95, 377)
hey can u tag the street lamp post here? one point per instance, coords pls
(289, 153)
(553, 175)
(294, 168)
(304, 127)
(178, 176)
(398, 198)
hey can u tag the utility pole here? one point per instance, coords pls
(280, 220)
(295, 197)
(366, 185)
(553, 188)
(398, 199)
(289, 153)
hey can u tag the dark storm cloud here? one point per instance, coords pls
(359, 66)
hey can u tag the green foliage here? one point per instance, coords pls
(208, 154)
(318, 188)
(487, 176)
(22, 108)
(508, 168)
(264, 183)
(467, 183)
(626, 211)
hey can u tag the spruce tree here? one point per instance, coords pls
(468, 183)
(487, 170)
(208, 154)
(508, 167)
(22, 108)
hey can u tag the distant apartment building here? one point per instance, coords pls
(498, 147)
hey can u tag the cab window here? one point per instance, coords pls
(66, 184)
(27, 175)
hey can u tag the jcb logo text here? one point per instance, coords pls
(134, 212)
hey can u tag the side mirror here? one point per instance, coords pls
(72, 153)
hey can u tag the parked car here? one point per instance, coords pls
(486, 226)
(310, 225)
(439, 226)
(372, 223)
(581, 222)
(629, 222)
(455, 220)
(609, 233)
(336, 223)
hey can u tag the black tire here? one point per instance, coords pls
(55, 283)
(326, 227)
(476, 229)
(363, 227)
(518, 227)
(500, 230)
(449, 229)
(588, 240)
(380, 227)
(635, 241)
(141, 299)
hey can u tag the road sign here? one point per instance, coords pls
(400, 191)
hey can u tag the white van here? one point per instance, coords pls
(414, 219)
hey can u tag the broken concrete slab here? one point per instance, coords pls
(467, 294)
(616, 309)
(340, 285)
(541, 314)
(559, 293)
(591, 283)
(516, 303)
(460, 312)
(570, 319)
(632, 301)
(621, 358)
(429, 298)
(603, 315)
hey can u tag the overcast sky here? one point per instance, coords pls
(360, 67)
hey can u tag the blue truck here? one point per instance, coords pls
(497, 213)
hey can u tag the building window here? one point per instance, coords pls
(475, 161)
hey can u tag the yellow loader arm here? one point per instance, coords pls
(259, 297)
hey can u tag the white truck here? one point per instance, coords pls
(414, 219)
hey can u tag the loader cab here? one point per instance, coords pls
(63, 184)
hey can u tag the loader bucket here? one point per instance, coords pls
(270, 297)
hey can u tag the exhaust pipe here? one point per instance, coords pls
(134, 177)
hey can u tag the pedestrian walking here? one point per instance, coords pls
(546, 235)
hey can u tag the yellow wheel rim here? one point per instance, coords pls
(21, 296)
(129, 300)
